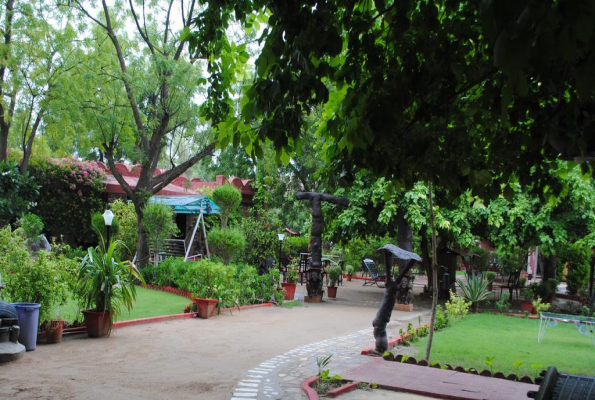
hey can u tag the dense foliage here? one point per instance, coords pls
(226, 243)
(159, 224)
(228, 198)
(44, 279)
(575, 259)
(260, 241)
(72, 192)
(19, 192)
(126, 216)
(233, 285)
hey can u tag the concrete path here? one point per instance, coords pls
(204, 359)
(280, 376)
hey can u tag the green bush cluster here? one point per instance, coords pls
(226, 243)
(228, 198)
(233, 285)
(442, 318)
(125, 214)
(575, 258)
(261, 241)
(18, 192)
(44, 279)
(72, 192)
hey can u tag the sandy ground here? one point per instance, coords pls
(184, 359)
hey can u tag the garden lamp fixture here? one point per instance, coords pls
(108, 217)
(281, 237)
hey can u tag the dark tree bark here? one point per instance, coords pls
(434, 279)
(404, 235)
(314, 273)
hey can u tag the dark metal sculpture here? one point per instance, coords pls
(405, 291)
(314, 271)
(390, 292)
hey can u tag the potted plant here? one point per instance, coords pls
(104, 284)
(490, 276)
(290, 282)
(207, 289)
(349, 270)
(53, 331)
(333, 277)
(526, 304)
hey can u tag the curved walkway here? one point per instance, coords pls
(280, 377)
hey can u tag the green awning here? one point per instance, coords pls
(190, 204)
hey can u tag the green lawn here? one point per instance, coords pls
(468, 342)
(149, 303)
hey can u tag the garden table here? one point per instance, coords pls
(585, 325)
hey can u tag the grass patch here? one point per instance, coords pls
(149, 303)
(291, 304)
(468, 342)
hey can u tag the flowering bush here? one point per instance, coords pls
(71, 192)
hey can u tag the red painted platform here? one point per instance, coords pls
(437, 383)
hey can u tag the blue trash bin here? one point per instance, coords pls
(28, 322)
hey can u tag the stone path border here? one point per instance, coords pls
(280, 377)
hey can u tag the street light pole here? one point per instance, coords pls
(281, 237)
(108, 217)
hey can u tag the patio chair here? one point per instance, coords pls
(377, 273)
(512, 285)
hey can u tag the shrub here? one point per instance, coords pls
(260, 241)
(294, 245)
(226, 243)
(18, 192)
(475, 289)
(576, 259)
(72, 192)
(158, 222)
(442, 318)
(32, 226)
(228, 198)
(43, 280)
(480, 263)
(128, 235)
(457, 306)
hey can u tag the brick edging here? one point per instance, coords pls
(310, 392)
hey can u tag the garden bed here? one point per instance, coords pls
(468, 342)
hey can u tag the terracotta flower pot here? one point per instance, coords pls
(527, 306)
(205, 308)
(348, 278)
(54, 332)
(332, 292)
(98, 323)
(289, 290)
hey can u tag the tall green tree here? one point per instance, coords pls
(158, 88)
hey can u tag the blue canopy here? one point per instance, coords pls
(190, 204)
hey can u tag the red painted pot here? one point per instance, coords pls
(205, 308)
(332, 292)
(98, 323)
(527, 306)
(54, 332)
(289, 290)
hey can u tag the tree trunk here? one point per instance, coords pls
(142, 245)
(404, 236)
(3, 143)
(550, 267)
(426, 262)
(434, 279)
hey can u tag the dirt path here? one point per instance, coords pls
(184, 359)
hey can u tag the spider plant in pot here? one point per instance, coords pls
(333, 277)
(290, 281)
(349, 270)
(105, 284)
(475, 289)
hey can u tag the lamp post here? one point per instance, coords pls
(281, 237)
(108, 217)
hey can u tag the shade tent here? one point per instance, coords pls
(198, 204)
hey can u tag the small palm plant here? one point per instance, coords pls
(105, 283)
(475, 289)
